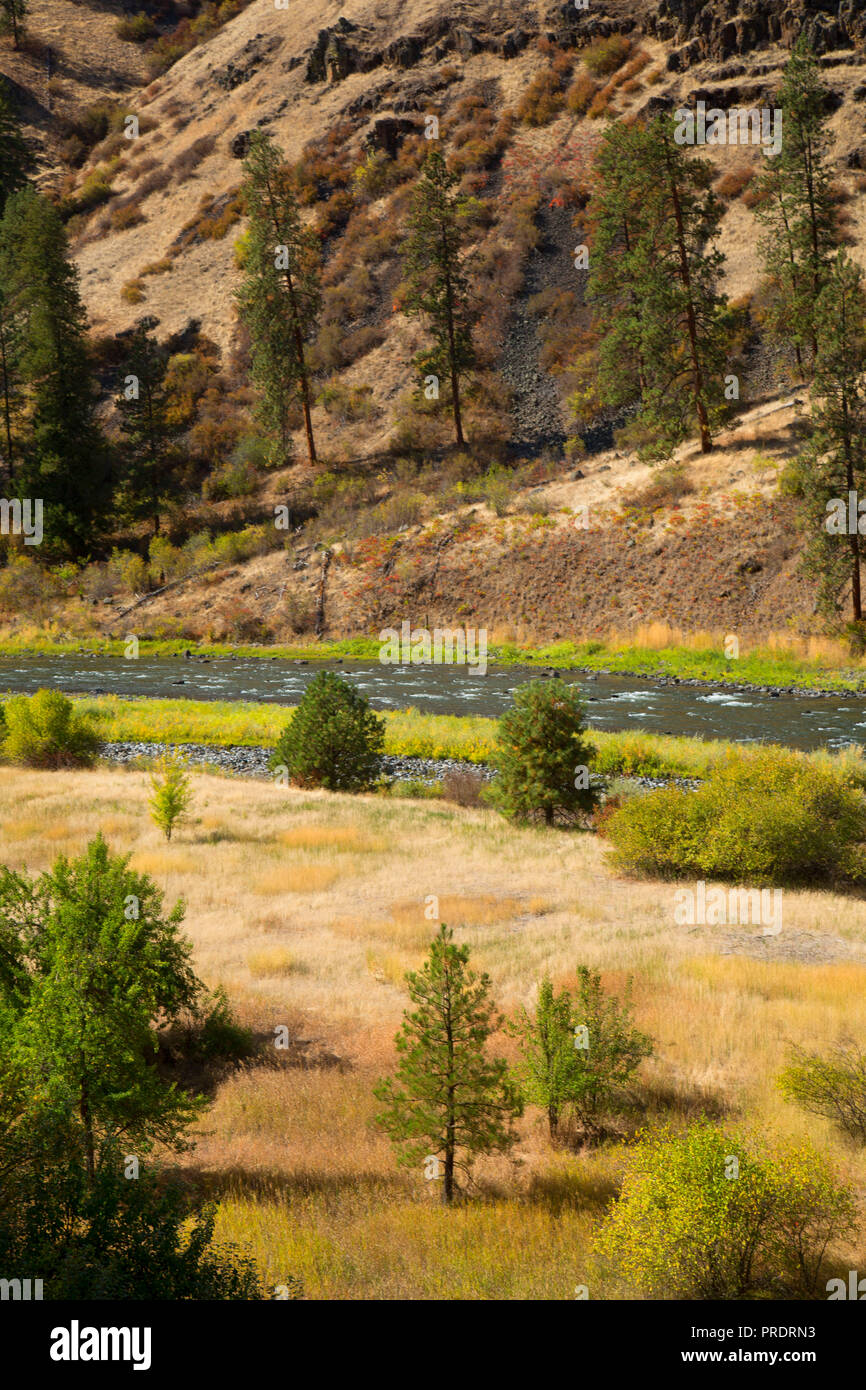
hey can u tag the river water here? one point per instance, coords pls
(613, 702)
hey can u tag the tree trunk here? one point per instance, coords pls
(552, 1119)
(452, 350)
(7, 416)
(697, 374)
(87, 1121)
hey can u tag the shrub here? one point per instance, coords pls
(581, 93)
(236, 478)
(772, 817)
(701, 1215)
(463, 787)
(333, 740)
(136, 28)
(347, 404)
(129, 570)
(172, 795)
(540, 757)
(833, 1086)
(46, 730)
(604, 56)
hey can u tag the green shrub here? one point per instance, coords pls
(701, 1215)
(541, 759)
(604, 56)
(832, 1086)
(138, 28)
(334, 740)
(46, 730)
(770, 817)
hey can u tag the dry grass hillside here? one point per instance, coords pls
(574, 542)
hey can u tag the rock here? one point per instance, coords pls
(240, 144)
(388, 133)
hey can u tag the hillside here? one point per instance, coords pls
(410, 527)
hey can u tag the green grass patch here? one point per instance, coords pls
(412, 734)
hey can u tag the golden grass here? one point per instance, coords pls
(297, 878)
(306, 925)
(275, 960)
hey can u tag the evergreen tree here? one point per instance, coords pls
(541, 760)
(10, 381)
(92, 967)
(12, 16)
(64, 457)
(148, 428)
(437, 283)
(617, 222)
(796, 204)
(280, 295)
(16, 162)
(665, 327)
(833, 465)
(448, 1101)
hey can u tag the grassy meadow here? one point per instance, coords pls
(309, 907)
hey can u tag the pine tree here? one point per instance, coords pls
(833, 465)
(96, 968)
(448, 1101)
(280, 295)
(10, 381)
(16, 161)
(64, 456)
(653, 279)
(796, 204)
(13, 13)
(617, 218)
(147, 427)
(541, 759)
(437, 285)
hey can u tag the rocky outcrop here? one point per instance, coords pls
(722, 28)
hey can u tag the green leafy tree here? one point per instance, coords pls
(833, 464)
(172, 795)
(796, 206)
(541, 760)
(334, 739)
(608, 1048)
(707, 1215)
(280, 295)
(114, 1238)
(93, 967)
(437, 285)
(65, 461)
(16, 161)
(547, 1044)
(148, 427)
(47, 730)
(449, 1100)
(12, 16)
(578, 1052)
